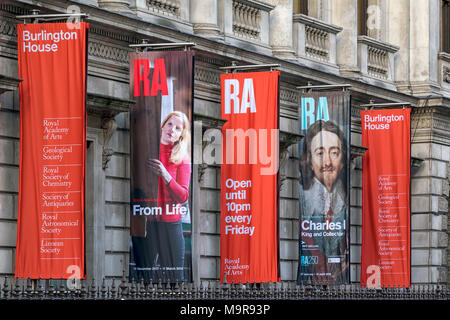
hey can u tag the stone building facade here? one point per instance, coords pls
(388, 51)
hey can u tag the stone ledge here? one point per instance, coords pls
(316, 23)
(8, 83)
(378, 44)
(445, 56)
(106, 106)
(261, 5)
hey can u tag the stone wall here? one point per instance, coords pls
(9, 179)
(429, 196)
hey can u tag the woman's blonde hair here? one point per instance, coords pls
(182, 147)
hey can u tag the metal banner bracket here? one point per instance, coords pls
(146, 46)
(233, 68)
(392, 105)
(310, 87)
(38, 18)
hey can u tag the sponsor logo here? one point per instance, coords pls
(307, 260)
(334, 260)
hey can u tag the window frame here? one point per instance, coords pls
(445, 26)
(362, 17)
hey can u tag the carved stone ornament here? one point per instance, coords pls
(287, 139)
(357, 151)
(109, 126)
(107, 107)
(446, 74)
(207, 122)
(416, 162)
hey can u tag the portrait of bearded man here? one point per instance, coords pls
(323, 192)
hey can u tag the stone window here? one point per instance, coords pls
(372, 19)
(445, 26)
(362, 17)
(301, 6)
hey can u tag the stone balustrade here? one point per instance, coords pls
(246, 20)
(315, 39)
(171, 7)
(377, 62)
(376, 58)
(317, 43)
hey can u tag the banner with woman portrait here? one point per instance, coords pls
(161, 83)
(324, 152)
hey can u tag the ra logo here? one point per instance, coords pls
(142, 75)
(309, 112)
(241, 103)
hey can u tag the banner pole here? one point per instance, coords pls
(37, 18)
(372, 105)
(233, 68)
(311, 87)
(168, 45)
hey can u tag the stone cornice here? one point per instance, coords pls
(207, 75)
(127, 24)
(290, 96)
(106, 106)
(357, 151)
(109, 52)
(316, 23)
(13, 9)
(430, 124)
(444, 56)
(8, 83)
(378, 44)
(209, 122)
(261, 5)
(288, 138)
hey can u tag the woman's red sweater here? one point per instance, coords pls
(171, 195)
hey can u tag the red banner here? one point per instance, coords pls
(385, 252)
(249, 193)
(50, 230)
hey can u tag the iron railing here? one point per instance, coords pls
(21, 289)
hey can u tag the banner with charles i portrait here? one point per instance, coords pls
(324, 151)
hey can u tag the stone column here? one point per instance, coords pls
(344, 14)
(424, 46)
(397, 27)
(204, 18)
(95, 213)
(9, 168)
(430, 141)
(115, 5)
(281, 27)
(109, 126)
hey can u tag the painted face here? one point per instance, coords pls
(171, 131)
(326, 157)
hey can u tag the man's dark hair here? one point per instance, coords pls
(305, 159)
